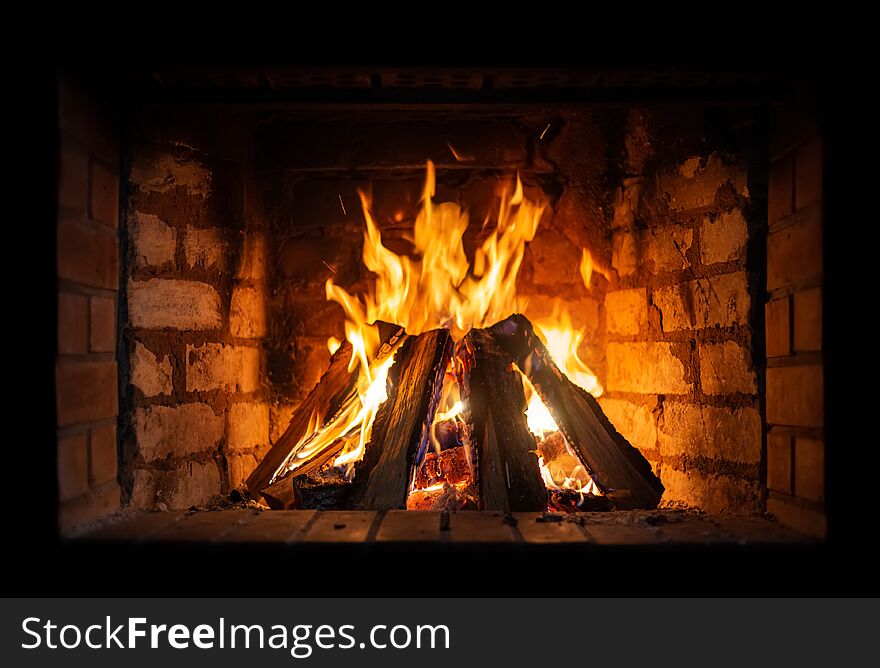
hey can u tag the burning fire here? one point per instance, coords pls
(439, 288)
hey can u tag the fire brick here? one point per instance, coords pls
(73, 466)
(776, 314)
(73, 324)
(633, 421)
(102, 329)
(808, 174)
(85, 391)
(809, 469)
(707, 302)
(780, 191)
(646, 368)
(153, 241)
(795, 396)
(626, 311)
(205, 248)
(553, 257)
(808, 320)
(248, 425)
(794, 253)
(710, 492)
(726, 368)
(694, 184)
(174, 304)
(779, 462)
(87, 255)
(623, 253)
(148, 374)
(240, 466)
(105, 195)
(247, 313)
(214, 366)
(180, 430)
(666, 248)
(253, 257)
(103, 453)
(190, 484)
(73, 180)
(724, 240)
(733, 435)
(155, 171)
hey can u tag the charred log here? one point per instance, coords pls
(617, 468)
(402, 424)
(335, 387)
(506, 462)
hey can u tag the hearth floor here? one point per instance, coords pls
(293, 527)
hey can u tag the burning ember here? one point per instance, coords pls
(439, 289)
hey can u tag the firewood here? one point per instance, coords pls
(335, 387)
(451, 465)
(618, 469)
(552, 447)
(506, 460)
(401, 428)
(280, 494)
(325, 490)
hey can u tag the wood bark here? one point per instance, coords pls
(400, 430)
(618, 469)
(335, 387)
(506, 461)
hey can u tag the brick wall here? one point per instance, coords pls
(88, 284)
(232, 228)
(793, 307)
(196, 419)
(682, 378)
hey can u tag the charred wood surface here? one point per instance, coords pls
(617, 468)
(326, 490)
(507, 466)
(333, 389)
(401, 427)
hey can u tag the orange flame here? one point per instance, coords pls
(437, 288)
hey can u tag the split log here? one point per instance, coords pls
(506, 460)
(401, 428)
(335, 387)
(280, 494)
(326, 490)
(618, 469)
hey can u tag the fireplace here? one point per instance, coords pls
(213, 224)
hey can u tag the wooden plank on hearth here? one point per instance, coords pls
(340, 526)
(619, 469)
(619, 529)
(689, 528)
(401, 427)
(273, 526)
(507, 463)
(204, 526)
(750, 530)
(549, 528)
(136, 527)
(480, 527)
(409, 526)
